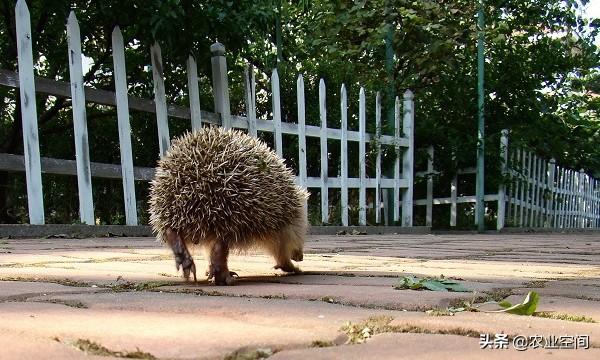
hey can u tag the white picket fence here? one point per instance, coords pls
(454, 199)
(34, 165)
(539, 193)
(543, 194)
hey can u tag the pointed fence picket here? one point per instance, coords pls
(124, 127)
(160, 99)
(194, 93)
(82, 153)
(31, 147)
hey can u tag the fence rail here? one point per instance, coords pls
(33, 164)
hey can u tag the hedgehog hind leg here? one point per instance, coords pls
(285, 246)
(218, 269)
(183, 258)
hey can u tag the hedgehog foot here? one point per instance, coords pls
(211, 275)
(217, 269)
(288, 267)
(183, 258)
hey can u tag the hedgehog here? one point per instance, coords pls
(223, 190)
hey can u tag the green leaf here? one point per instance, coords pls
(527, 307)
(505, 304)
(414, 283)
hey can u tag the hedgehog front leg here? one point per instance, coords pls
(183, 258)
(217, 268)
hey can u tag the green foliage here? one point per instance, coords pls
(527, 307)
(433, 284)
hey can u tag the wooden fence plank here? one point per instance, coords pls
(535, 186)
(453, 199)
(301, 130)
(276, 112)
(528, 189)
(502, 187)
(429, 209)
(10, 162)
(324, 164)
(194, 93)
(511, 187)
(562, 193)
(377, 199)
(552, 194)
(514, 190)
(344, 155)
(407, 158)
(31, 148)
(220, 84)
(160, 100)
(580, 199)
(397, 161)
(103, 97)
(124, 127)
(568, 198)
(522, 186)
(250, 85)
(80, 131)
(362, 193)
(543, 193)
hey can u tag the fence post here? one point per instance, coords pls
(301, 133)
(220, 83)
(502, 187)
(31, 147)
(162, 120)
(362, 191)
(551, 212)
(377, 202)
(194, 93)
(82, 153)
(581, 198)
(397, 160)
(453, 196)
(324, 165)
(275, 94)
(124, 127)
(344, 155)
(407, 158)
(429, 210)
(250, 85)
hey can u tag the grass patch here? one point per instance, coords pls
(439, 312)
(65, 282)
(144, 286)
(536, 284)
(329, 299)
(253, 354)
(563, 316)
(361, 332)
(321, 344)
(92, 348)
(70, 303)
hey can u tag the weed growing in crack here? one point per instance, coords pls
(92, 348)
(361, 332)
(253, 354)
(563, 316)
